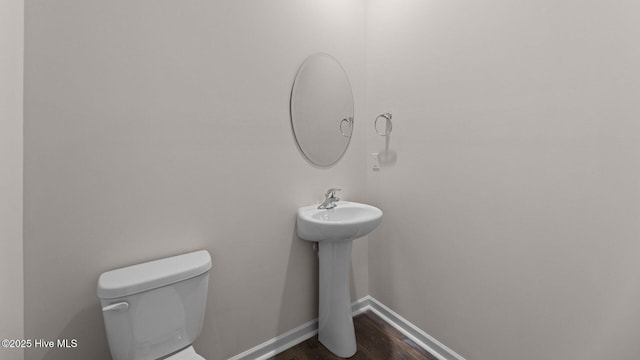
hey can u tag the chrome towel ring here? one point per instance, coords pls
(348, 121)
(389, 124)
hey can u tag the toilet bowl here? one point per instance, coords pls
(155, 310)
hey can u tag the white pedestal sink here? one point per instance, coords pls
(334, 230)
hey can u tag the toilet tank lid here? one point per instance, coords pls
(153, 274)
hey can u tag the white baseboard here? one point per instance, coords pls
(417, 335)
(307, 330)
(280, 343)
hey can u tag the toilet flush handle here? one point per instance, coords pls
(121, 306)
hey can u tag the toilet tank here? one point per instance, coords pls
(155, 308)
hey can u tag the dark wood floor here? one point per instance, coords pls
(376, 340)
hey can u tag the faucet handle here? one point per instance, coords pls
(332, 192)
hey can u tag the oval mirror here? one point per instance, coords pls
(322, 109)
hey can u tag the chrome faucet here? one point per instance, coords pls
(329, 199)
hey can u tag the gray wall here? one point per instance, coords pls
(512, 212)
(11, 68)
(155, 128)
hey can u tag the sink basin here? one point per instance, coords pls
(347, 221)
(334, 230)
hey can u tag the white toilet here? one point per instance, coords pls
(155, 310)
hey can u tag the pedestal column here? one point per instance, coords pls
(335, 328)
